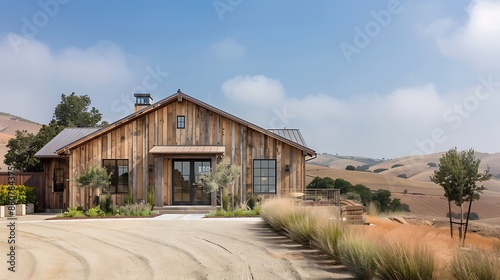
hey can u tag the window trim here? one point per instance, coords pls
(181, 124)
(115, 177)
(269, 160)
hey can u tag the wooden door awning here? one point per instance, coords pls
(188, 150)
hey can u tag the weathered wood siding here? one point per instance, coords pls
(51, 199)
(133, 141)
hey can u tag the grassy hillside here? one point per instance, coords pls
(424, 197)
(340, 162)
(9, 124)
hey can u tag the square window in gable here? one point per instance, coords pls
(181, 121)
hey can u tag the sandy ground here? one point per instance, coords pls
(166, 247)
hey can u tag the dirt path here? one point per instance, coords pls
(161, 249)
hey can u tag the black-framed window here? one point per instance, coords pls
(58, 179)
(181, 121)
(264, 176)
(119, 174)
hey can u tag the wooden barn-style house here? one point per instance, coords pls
(168, 145)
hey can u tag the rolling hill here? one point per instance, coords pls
(9, 124)
(424, 197)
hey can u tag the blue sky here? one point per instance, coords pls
(371, 78)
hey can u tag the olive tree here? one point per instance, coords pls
(458, 174)
(225, 174)
(94, 179)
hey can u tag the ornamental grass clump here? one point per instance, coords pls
(475, 265)
(358, 254)
(398, 260)
(276, 211)
(135, 209)
(328, 235)
(300, 225)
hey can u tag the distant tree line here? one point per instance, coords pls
(381, 198)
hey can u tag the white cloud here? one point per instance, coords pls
(33, 78)
(254, 90)
(228, 49)
(396, 123)
(476, 41)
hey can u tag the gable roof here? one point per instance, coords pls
(65, 137)
(292, 134)
(179, 96)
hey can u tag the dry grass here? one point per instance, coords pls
(404, 260)
(402, 251)
(475, 265)
(424, 197)
(327, 237)
(358, 253)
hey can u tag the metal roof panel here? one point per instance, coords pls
(68, 135)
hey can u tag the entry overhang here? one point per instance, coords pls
(187, 150)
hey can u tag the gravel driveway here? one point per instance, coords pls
(167, 247)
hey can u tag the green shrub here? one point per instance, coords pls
(398, 260)
(403, 176)
(106, 203)
(350, 168)
(473, 215)
(151, 195)
(358, 254)
(378, 170)
(23, 194)
(475, 264)
(96, 212)
(73, 212)
(363, 167)
(235, 213)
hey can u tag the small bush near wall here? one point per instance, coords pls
(24, 194)
(129, 210)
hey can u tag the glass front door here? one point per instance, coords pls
(185, 178)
